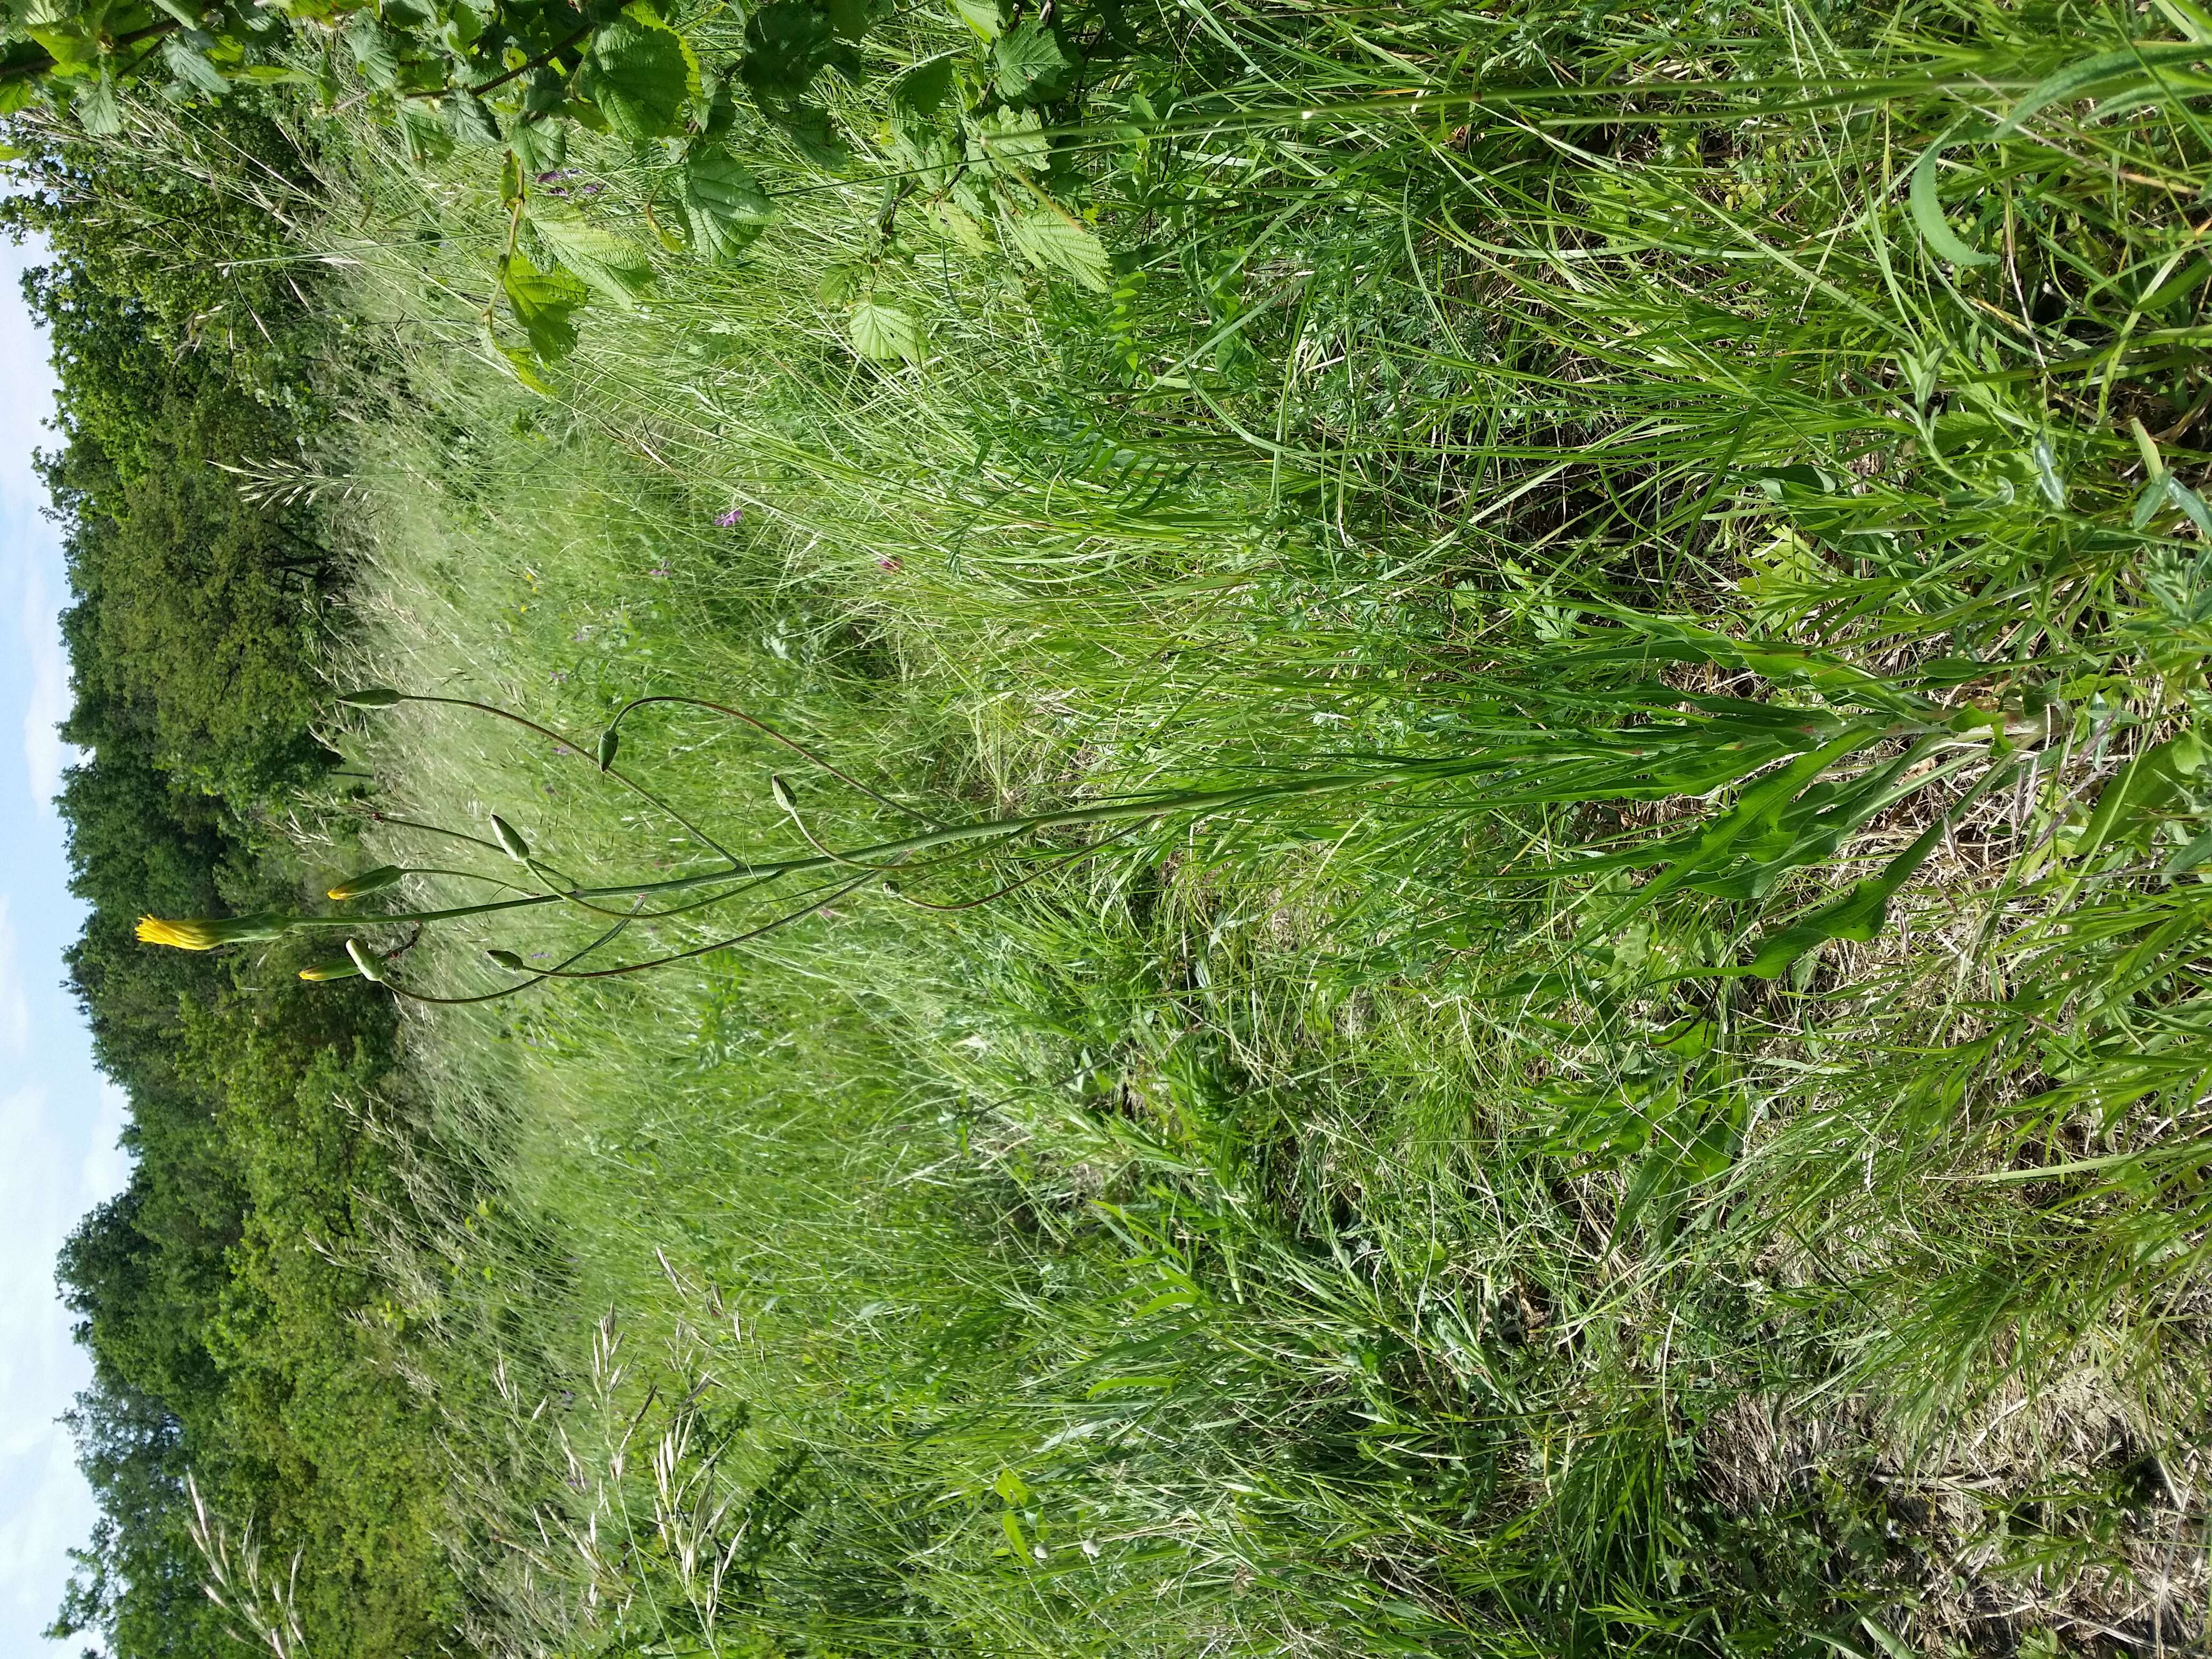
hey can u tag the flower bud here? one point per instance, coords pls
(510, 839)
(508, 960)
(370, 964)
(372, 696)
(610, 740)
(782, 791)
(368, 882)
(209, 933)
(330, 968)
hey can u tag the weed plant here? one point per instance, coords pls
(1726, 1173)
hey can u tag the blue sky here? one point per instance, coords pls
(58, 1118)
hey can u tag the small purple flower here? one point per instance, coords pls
(659, 571)
(893, 563)
(731, 518)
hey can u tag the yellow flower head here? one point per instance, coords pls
(206, 934)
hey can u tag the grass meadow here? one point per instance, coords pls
(1699, 1148)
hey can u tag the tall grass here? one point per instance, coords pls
(1365, 1227)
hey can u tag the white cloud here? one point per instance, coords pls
(15, 1005)
(45, 754)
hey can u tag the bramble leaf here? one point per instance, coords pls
(1053, 242)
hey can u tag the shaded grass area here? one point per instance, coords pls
(1724, 1175)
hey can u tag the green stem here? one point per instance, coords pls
(1199, 801)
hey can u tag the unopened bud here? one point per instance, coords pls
(366, 962)
(372, 697)
(368, 882)
(510, 839)
(782, 791)
(507, 960)
(610, 740)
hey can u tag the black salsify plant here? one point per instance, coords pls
(1793, 814)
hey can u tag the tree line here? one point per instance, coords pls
(233, 1331)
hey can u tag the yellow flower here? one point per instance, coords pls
(207, 933)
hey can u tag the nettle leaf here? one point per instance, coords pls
(923, 89)
(725, 203)
(375, 53)
(546, 303)
(885, 334)
(613, 266)
(639, 75)
(540, 145)
(1027, 62)
(472, 122)
(808, 126)
(786, 45)
(1052, 242)
(425, 137)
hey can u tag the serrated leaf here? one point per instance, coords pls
(374, 54)
(639, 76)
(191, 69)
(1928, 214)
(786, 44)
(1053, 242)
(546, 303)
(986, 17)
(1012, 136)
(612, 266)
(470, 120)
(923, 89)
(1026, 59)
(724, 203)
(885, 334)
(809, 127)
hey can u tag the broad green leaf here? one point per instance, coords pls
(1014, 136)
(374, 54)
(2136, 63)
(724, 203)
(545, 302)
(1025, 60)
(639, 75)
(613, 266)
(427, 137)
(1053, 242)
(923, 89)
(2147, 503)
(885, 334)
(986, 17)
(786, 45)
(192, 69)
(1928, 214)
(472, 122)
